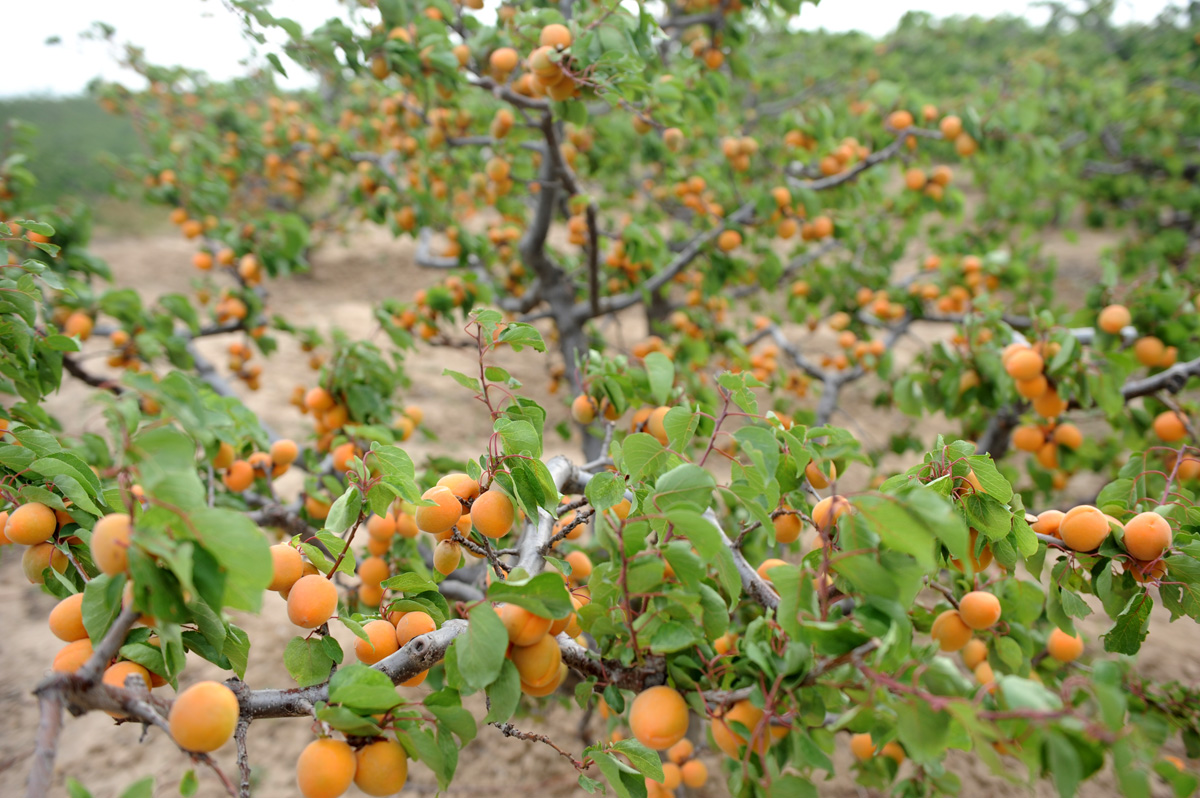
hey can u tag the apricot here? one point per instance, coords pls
(287, 566)
(381, 768)
(974, 652)
(979, 610)
(312, 601)
(30, 524)
(406, 526)
(1169, 426)
(583, 409)
(1083, 528)
(1063, 647)
(537, 664)
(325, 769)
(239, 476)
(787, 528)
(950, 126)
(1068, 435)
(503, 60)
(862, 746)
(40, 556)
(318, 400)
(110, 543)
(493, 514)
(672, 776)
(443, 514)
(766, 567)
(371, 596)
(413, 624)
(681, 752)
(381, 527)
(1114, 318)
(66, 619)
(72, 656)
(658, 717)
(316, 507)
(524, 628)
(224, 456)
(950, 631)
(381, 643)
(373, 570)
(116, 674)
(828, 510)
(343, 453)
(1147, 536)
(1149, 350)
(819, 478)
(1028, 438)
(655, 426)
(729, 240)
(203, 716)
(540, 691)
(694, 773)
(977, 563)
(555, 35)
(1024, 364)
(731, 741)
(447, 556)
(284, 452)
(581, 566)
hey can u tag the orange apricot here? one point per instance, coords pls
(950, 631)
(979, 610)
(40, 556)
(1114, 318)
(1048, 522)
(66, 619)
(524, 628)
(493, 514)
(31, 523)
(239, 476)
(828, 510)
(974, 652)
(381, 642)
(284, 452)
(681, 752)
(1063, 647)
(1028, 438)
(443, 514)
(373, 570)
(413, 624)
(862, 746)
(224, 456)
(818, 477)
(583, 409)
(72, 656)
(1083, 528)
(325, 769)
(787, 528)
(461, 485)
(1169, 426)
(1147, 536)
(382, 527)
(694, 773)
(1068, 435)
(111, 538)
(287, 566)
(537, 664)
(312, 601)
(658, 717)
(731, 741)
(555, 35)
(1024, 365)
(203, 716)
(381, 768)
(655, 426)
(447, 556)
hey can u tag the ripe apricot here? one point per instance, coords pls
(828, 510)
(729, 240)
(681, 752)
(40, 556)
(581, 566)
(1024, 365)
(1068, 435)
(72, 656)
(1114, 318)
(1028, 438)
(1147, 536)
(787, 528)
(979, 610)
(318, 400)
(524, 628)
(111, 538)
(820, 477)
(66, 619)
(224, 456)
(1169, 426)
(655, 426)
(342, 454)
(583, 409)
(493, 514)
(239, 476)
(312, 601)
(862, 746)
(898, 120)
(373, 570)
(503, 60)
(413, 624)
(325, 769)
(443, 514)
(406, 525)
(381, 527)
(116, 674)
(694, 773)
(381, 768)
(950, 631)
(1063, 647)
(1149, 350)
(1083, 528)
(672, 776)
(950, 126)
(549, 687)
(658, 717)
(203, 716)
(284, 452)
(382, 642)
(974, 652)
(1048, 522)
(538, 663)
(764, 569)
(30, 523)
(555, 35)
(287, 566)
(731, 741)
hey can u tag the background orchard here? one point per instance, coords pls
(666, 402)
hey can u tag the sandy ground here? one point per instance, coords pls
(345, 283)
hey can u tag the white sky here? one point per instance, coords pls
(203, 34)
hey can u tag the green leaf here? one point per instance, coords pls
(504, 694)
(1131, 627)
(481, 650)
(519, 335)
(143, 788)
(706, 537)
(101, 605)
(470, 383)
(661, 373)
(411, 582)
(604, 490)
(544, 595)
(306, 661)
(363, 689)
(642, 758)
(642, 455)
(344, 512)
(189, 784)
(687, 485)
(77, 790)
(922, 731)
(242, 550)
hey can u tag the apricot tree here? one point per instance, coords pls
(703, 575)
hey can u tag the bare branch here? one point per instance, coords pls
(877, 157)
(1172, 380)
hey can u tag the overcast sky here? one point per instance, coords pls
(203, 34)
